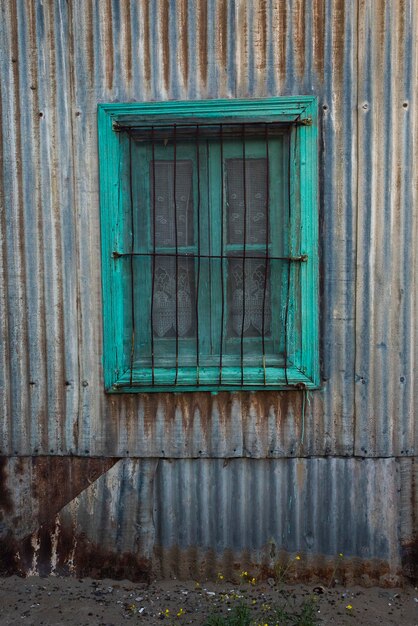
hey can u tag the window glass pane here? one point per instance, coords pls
(166, 208)
(164, 322)
(255, 302)
(252, 203)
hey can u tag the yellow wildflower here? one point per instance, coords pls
(349, 607)
(297, 557)
(180, 613)
(220, 576)
(341, 555)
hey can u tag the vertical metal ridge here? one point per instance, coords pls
(82, 63)
(15, 236)
(241, 49)
(337, 233)
(31, 121)
(106, 51)
(299, 55)
(5, 373)
(52, 170)
(87, 417)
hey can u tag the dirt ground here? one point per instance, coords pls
(56, 601)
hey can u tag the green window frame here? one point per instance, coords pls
(274, 136)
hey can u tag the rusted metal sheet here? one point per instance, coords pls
(59, 60)
(34, 489)
(190, 518)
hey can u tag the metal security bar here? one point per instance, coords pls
(218, 157)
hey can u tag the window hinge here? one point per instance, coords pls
(116, 126)
(302, 258)
(307, 121)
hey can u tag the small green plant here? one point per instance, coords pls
(243, 615)
(281, 569)
(307, 615)
(336, 566)
(239, 616)
(304, 616)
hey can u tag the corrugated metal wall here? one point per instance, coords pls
(58, 60)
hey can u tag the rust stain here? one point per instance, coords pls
(401, 11)
(409, 547)
(176, 562)
(202, 28)
(9, 561)
(146, 43)
(318, 16)
(300, 474)
(183, 38)
(379, 18)
(261, 29)
(75, 555)
(338, 42)
(108, 37)
(6, 500)
(76, 430)
(284, 406)
(409, 551)
(242, 24)
(299, 36)
(91, 559)
(88, 19)
(281, 38)
(222, 32)
(126, 7)
(349, 571)
(165, 42)
(78, 556)
(112, 424)
(150, 413)
(58, 480)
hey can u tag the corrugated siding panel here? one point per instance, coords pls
(191, 516)
(386, 321)
(59, 60)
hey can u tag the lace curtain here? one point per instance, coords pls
(173, 281)
(248, 287)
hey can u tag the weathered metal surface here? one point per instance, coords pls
(387, 261)
(190, 518)
(34, 489)
(59, 60)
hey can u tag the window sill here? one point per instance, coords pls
(208, 379)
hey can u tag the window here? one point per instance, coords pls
(209, 244)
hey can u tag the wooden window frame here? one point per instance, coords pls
(297, 114)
